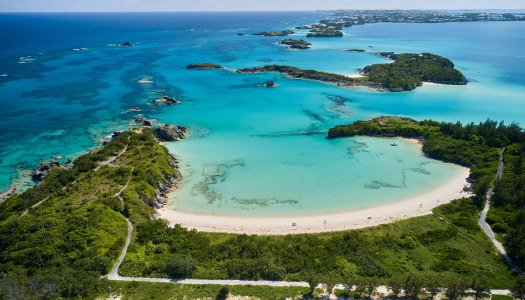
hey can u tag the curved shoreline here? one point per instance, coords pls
(416, 206)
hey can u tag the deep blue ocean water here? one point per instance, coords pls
(55, 101)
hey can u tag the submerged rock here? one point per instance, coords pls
(170, 133)
(127, 44)
(270, 84)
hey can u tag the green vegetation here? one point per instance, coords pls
(294, 72)
(454, 247)
(161, 291)
(408, 71)
(476, 146)
(275, 33)
(324, 32)
(296, 44)
(507, 213)
(204, 66)
(62, 246)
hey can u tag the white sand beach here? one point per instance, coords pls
(354, 75)
(416, 206)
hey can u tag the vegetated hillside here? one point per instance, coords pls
(408, 71)
(475, 145)
(61, 247)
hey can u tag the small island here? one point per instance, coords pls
(325, 32)
(204, 66)
(327, 28)
(296, 44)
(407, 72)
(275, 33)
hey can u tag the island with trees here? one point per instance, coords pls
(205, 65)
(275, 33)
(407, 72)
(296, 44)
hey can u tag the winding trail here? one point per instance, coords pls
(486, 227)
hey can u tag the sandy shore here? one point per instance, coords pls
(431, 83)
(417, 206)
(354, 75)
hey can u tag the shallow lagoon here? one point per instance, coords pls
(64, 101)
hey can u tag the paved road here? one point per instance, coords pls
(113, 275)
(486, 227)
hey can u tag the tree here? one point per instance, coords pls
(452, 290)
(464, 287)
(331, 279)
(414, 285)
(395, 284)
(360, 286)
(367, 285)
(433, 285)
(518, 289)
(349, 280)
(181, 266)
(457, 288)
(313, 280)
(480, 287)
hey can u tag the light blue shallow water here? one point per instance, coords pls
(249, 154)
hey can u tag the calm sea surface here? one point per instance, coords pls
(253, 151)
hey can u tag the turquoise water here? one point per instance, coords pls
(253, 151)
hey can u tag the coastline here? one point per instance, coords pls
(416, 206)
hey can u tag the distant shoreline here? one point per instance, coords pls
(416, 206)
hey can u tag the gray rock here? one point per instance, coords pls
(43, 169)
(169, 133)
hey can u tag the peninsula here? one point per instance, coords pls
(407, 72)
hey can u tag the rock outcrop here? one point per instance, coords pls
(166, 100)
(5, 195)
(43, 169)
(270, 84)
(170, 133)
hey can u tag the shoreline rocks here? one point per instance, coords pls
(43, 169)
(7, 194)
(170, 133)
